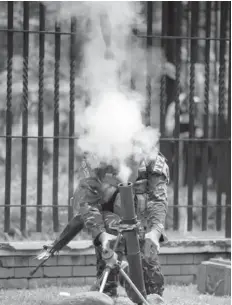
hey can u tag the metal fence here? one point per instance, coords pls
(183, 28)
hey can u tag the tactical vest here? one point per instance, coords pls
(101, 186)
(140, 187)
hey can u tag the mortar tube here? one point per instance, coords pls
(132, 241)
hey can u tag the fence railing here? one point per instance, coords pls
(183, 29)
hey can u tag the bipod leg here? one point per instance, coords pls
(104, 279)
(132, 285)
(129, 281)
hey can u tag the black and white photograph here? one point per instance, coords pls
(115, 152)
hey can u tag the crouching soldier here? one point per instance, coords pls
(98, 200)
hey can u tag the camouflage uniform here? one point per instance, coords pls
(99, 202)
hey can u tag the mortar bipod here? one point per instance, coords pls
(111, 259)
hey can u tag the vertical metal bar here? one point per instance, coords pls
(149, 59)
(40, 119)
(216, 4)
(163, 95)
(71, 116)
(228, 181)
(132, 79)
(133, 39)
(216, 35)
(206, 117)
(10, 25)
(178, 21)
(188, 43)
(221, 110)
(214, 116)
(170, 55)
(24, 117)
(191, 146)
(56, 130)
(164, 146)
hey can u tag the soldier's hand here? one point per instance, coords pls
(45, 253)
(105, 239)
(152, 245)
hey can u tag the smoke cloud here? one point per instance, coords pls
(115, 131)
(111, 127)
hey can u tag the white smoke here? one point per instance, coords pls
(115, 131)
(112, 128)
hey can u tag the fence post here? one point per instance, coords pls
(10, 26)
(149, 59)
(72, 117)
(206, 118)
(24, 117)
(228, 165)
(221, 113)
(191, 144)
(56, 129)
(40, 118)
(163, 93)
(178, 19)
(170, 49)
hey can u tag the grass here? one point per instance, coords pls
(173, 295)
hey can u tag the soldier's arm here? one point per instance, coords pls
(88, 196)
(158, 179)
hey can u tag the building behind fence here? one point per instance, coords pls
(192, 110)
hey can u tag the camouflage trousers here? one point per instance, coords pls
(153, 277)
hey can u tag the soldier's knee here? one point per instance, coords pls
(153, 277)
(155, 285)
(155, 290)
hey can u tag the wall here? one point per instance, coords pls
(75, 265)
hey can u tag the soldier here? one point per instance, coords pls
(98, 202)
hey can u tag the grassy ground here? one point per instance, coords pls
(173, 295)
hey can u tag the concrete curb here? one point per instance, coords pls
(85, 247)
